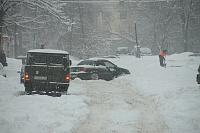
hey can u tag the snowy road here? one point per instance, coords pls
(138, 113)
(151, 99)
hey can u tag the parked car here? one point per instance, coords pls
(122, 50)
(22, 74)
(145, 51)
(23, 58)
(97, 69)
(2, 71)
(47, 70)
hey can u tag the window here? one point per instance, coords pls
(55, 59)
(108, 64)
(87, 62)
(105, 16)
(39, 59)
(123, 15)
(100, 63)
(121, 2)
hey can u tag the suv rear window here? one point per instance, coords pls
(55, 60)
(39, 59)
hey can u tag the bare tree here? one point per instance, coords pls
(86, 39)
(37, 16)
(185, 17)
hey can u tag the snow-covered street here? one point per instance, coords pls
(151, 99)
(116, 107)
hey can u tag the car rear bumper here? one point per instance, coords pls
(46, 86)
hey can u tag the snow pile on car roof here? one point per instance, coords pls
(48, 51)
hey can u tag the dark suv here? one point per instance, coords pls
(47, 70)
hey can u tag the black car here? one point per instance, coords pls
(97, 69)
(23, 58)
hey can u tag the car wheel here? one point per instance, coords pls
(94, 76)
(64, 90)
(28, 91)
(122, 73)
(64, 93)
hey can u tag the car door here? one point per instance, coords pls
(56, 71)
(110, 68)
(103, 72)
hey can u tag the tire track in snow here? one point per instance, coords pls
(109, 97)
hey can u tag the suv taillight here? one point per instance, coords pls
(67, 78)
(27, 77)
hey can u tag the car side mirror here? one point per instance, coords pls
(70, 62)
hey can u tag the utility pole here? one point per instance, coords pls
(1, 23)
(15, 41)
(137, 55)
(1, 34)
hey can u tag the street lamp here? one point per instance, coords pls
(137, 55)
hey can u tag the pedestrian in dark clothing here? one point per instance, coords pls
(3, 58)
(198, 76)
(162, 55)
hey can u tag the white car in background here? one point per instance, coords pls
(122, 50)
(145, 51)
(2, 71)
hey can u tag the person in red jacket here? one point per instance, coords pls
(162, 55)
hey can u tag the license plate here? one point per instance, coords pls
(40, 78)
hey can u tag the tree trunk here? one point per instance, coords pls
(1, 26)
(81, 20)
(185, 20)
(155, 36)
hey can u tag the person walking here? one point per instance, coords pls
(3, 58)
(162, 55)
(198, 76)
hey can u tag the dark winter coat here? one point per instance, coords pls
(3, 58)
(199, 69)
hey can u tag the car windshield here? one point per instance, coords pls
(86, 62)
